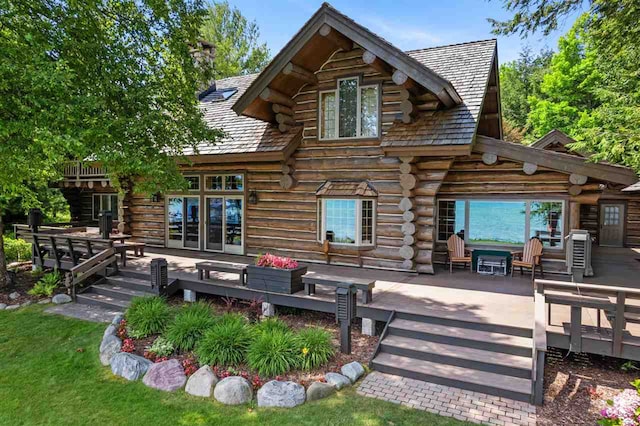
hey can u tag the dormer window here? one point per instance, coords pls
(350, 111)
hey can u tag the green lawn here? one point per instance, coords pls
(50, 374)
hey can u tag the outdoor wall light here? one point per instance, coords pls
(156, 198)
(253, 197)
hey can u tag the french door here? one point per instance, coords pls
(224, 223)
(183, 224)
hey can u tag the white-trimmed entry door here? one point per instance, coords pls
(183, 222)
(224, 223)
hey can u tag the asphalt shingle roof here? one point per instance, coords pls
(468, 67)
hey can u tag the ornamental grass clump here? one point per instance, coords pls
(314, 347)
(226, 343)
(270, 325)
(275, 353)
(189, 325)
(147, 315)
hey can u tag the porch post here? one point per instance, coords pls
(574, 215)
(368, 326)
(268, 309)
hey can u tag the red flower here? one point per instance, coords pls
(270, 261)
(128, 346)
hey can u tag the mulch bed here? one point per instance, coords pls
(24, 282)
(362, 346)
(577, 387)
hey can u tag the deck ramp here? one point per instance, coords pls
(485, 358)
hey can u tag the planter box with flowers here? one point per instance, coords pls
(276, 274)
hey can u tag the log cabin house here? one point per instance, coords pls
(348, 151)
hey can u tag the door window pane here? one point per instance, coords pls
(497, 222)
(214, 226)
(214, 183)
(347, 115)
(234, 221)
(369, 111)
(192, 223)
(328, 115)
(175, 218)
(451, 219)
(546, 222)
(611, 215)
(113, 205)
(340, 222)
(233, 183)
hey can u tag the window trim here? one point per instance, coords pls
(336, 93)
(527, 221)
(102, 194)
(321, 208)
(224, 176)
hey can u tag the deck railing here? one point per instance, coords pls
(78, 171)
(90, 267)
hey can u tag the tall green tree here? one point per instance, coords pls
(236, 40)
(520, 79)
(113, 81)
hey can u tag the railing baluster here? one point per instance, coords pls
(575, 344)
(72, 252)
(619, 324)
(56, 254)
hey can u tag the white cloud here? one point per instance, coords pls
(404, 36)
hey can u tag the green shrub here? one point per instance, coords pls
(147, 315)
(270, 325)
(46, 285)
(189, 325)
(161, 347)
(16, 250)
(274, 353)
(315, 347)
(226, 343)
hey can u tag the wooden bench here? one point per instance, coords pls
(311, 280)
(137, 248)
(205, 268)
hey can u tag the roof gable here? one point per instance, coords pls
(557, 139)
(327, 31)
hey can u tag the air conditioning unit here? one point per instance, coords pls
(579, 254)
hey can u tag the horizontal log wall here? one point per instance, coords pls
(633, 222)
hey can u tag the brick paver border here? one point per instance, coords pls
(447, 401)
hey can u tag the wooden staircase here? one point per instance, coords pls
(116, 291)
(487, 358)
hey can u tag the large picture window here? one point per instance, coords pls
(103, 202)
(502, 222)
(347, 221)
(350, 111)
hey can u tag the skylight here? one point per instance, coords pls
(223, 94)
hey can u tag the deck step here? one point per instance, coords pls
(464, 337)
(472, 325)
(132, 283)
(454, 376)
(494, 362)
(89, 298)
(117, 291)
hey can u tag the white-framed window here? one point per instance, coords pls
(502, 222)
(193, 182)
(103, 202)
(349, 111)
(348, 221)
(224, 182)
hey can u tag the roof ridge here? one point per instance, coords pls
(451, 45)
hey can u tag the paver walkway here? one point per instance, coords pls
(83, 312)
(447, 401)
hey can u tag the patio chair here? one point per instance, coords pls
(529, 257)
(457, 252)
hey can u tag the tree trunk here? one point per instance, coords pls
(3, 259)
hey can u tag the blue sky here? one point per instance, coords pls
(407, 24)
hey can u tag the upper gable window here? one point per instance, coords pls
(350, 111)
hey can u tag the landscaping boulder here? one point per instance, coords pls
(3, 306)
(110, 346)
(44, 301)
(166, 376)
(110, 331)
(129, 366)
(14, 295)
(201, 382)
(12, 307)
(117, 319)
(353, 371)
(337, 380)
(59, 299)
(233, 391)
(319, 390)
(27, 303)
(281, 394)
